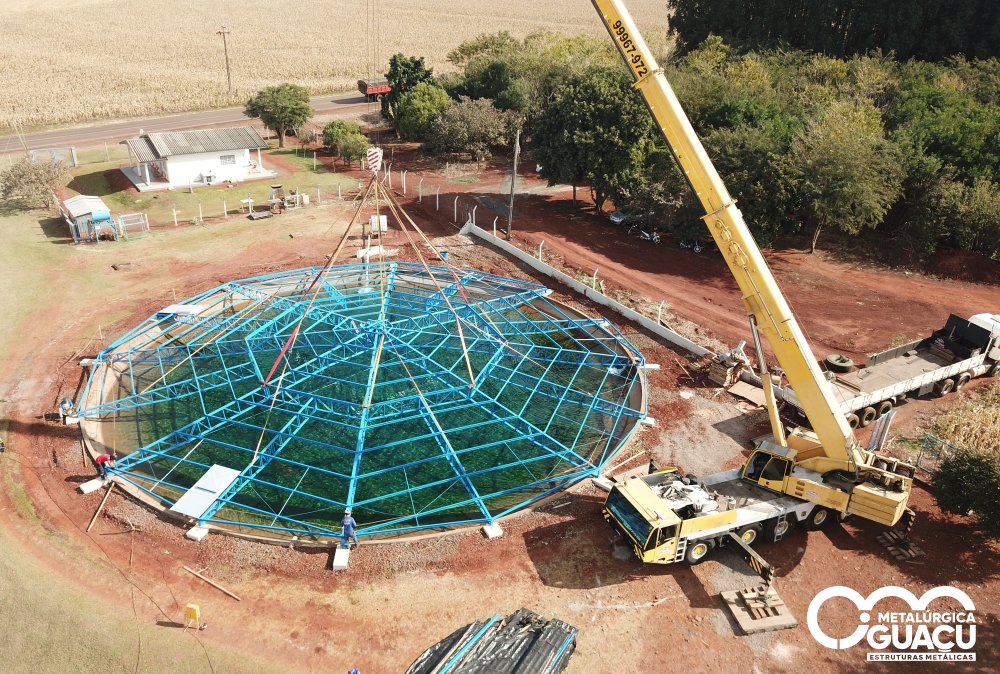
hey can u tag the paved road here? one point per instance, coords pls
(117, 131)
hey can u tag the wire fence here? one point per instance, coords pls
(933, 452)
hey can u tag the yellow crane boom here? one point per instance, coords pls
(826, 466)
(761, 295)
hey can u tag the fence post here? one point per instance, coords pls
(175, 216)
(338, 190)
(201, 218)
(317, 195)
(456, 210)
(225, 210)
(106, 153)
(437, 199)
(404, 183)
(314, 162)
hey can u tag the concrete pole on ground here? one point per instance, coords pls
(659, 312)
(594, 284)
(495, 226)
(474, 214)
(540, 250)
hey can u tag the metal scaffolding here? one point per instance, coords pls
(373, 408)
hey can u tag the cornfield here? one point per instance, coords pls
(77, 60)
(975, 424)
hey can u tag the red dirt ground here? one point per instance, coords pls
(665, 618)
(964, 265)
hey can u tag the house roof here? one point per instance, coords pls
(84, 205)
(156, 146)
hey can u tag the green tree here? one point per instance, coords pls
(28, 183)
(283, 108)
(843, 171)
(353, 148)
(967, 483)
(596, 130)
(405, 73)
(418, 107)
(338, 129)
(472, 127)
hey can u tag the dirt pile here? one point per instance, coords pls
(964, 265)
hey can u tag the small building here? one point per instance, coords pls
(88, 218)
(160, 161)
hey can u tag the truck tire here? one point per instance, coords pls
(943, 388)
(818, 519)
(995, 370)
(884, 408)
(868, 415)
(772, 530)
(963, 379)
(750, 533)
(838, 363)
(852, 420)
(698, 551)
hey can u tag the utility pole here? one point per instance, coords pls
(513, 180)
(225, 47)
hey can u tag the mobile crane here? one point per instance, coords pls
(807, 476)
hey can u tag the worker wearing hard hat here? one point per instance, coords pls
(349, 524)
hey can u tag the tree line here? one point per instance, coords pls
(931, 30)
(804, 141)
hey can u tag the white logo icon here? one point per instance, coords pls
(908, 630)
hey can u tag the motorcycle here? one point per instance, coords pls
(692, 244)
(649, 235)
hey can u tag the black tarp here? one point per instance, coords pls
(522, 643)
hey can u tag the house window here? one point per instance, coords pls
(227, 159)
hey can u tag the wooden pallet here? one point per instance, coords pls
(759, 609)
(898, 546)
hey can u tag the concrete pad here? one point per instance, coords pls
(492, 531)
(649, 421)
(196, 534)
(341, 557)
(93, 485)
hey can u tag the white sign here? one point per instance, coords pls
(917, 635)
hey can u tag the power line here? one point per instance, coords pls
(225, 48)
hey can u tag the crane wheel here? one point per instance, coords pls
(750, 533)
(817, 519)
(943, 388)
(995, 370)
(698, 551)
(884, 408)
(853, 421)
(963, 379)
(868, 416)
(775, 530)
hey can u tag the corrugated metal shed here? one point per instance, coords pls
(155, 146)
(84, 205)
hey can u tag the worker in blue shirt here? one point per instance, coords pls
(349, 524)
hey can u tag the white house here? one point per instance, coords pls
(195, 158)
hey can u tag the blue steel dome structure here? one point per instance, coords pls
(420, 396)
